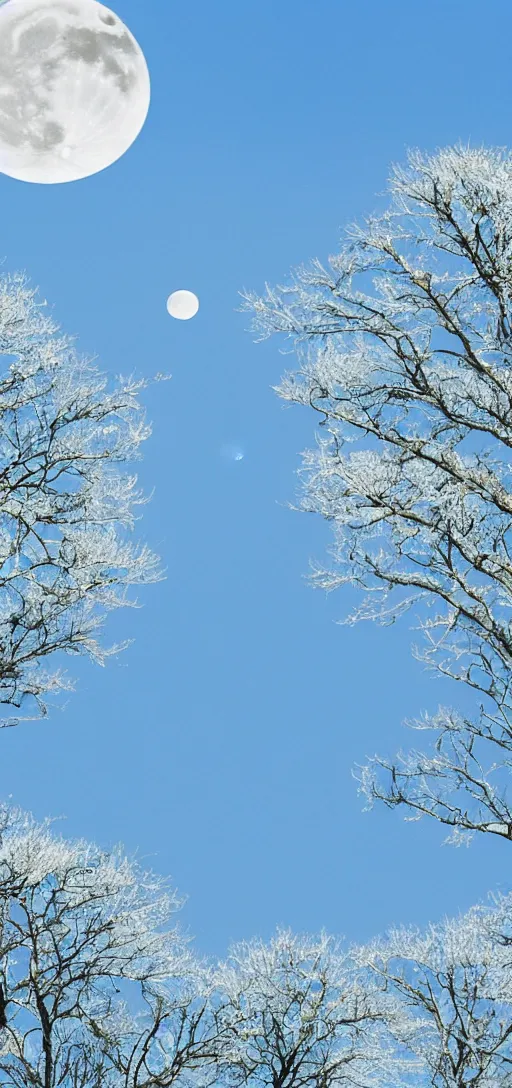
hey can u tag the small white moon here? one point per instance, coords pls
(74, 89)
(183, 305)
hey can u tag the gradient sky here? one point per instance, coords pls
(220, 745)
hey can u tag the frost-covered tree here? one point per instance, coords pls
(448, 992)
(292, 1014)
(67, 506)
(171, 1040)
(404, 346)
(97, 987)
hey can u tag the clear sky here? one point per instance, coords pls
(220, 745)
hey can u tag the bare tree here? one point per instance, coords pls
(66, 505)
(91, 969)
(291, 1014)
(99, 989)
(172, 1040)
(449, 995)
(404, 346)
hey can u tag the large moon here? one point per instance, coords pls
(74, 89)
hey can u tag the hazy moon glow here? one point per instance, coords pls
(74, 89)
(183, 305)
(232, 451)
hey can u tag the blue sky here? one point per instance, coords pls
(220, 745)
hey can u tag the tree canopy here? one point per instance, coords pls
(404, 351)
(67, 505)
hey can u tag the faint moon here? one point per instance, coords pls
(183, 305)
(232, 452)
(74, 89)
